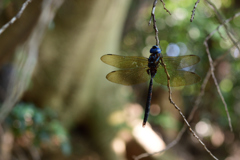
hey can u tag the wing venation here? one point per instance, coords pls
(125, 61)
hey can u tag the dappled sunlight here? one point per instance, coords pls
(180, 13)
(194, 33)
(130, 114)
(204, 128)
(173, 49)
(118, 146)
(226, 85)
(217, 137)
(170, 21)
(217, 3)
(116, 118)
(235, 53)
(145, 51)
(148, 139)
(119, 142)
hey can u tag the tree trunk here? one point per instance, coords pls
(70, 78)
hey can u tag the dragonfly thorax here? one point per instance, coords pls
(153, 60)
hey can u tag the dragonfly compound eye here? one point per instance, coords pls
(155, 49)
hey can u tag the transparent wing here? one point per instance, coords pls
(129, 76)
(125, 61)
(180, 62)
(177, 77)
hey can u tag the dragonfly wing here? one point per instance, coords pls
(129, 76)
(177, 77)
(180, 61)
(124, 61)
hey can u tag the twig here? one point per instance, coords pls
(195, 107)
(220, 34)
(19, 82)
(225, 22)
(193, 11)
(196, 102)
(153, 10)
(212, 67)
(165, 7)
(171, 101)
(25, 4)
(180, 112)
(216, 83)
(176, 140)
(154, 22)
(220, 18)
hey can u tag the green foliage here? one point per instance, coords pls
(41, 124)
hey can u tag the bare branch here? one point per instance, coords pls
(216, 83)
(193, 11)
(180, 112)
(225, 22)
(221, 20)
(197, 101)
(195, 107)
(212, 67)
(220, 34)
(25, 4)
(165, 7)
(172, 102)
(154, 22)
(153, 10)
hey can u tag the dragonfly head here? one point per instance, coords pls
(155, 49)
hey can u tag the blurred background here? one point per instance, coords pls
(56, 103)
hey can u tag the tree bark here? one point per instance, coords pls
(70, 78)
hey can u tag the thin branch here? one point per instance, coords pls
(220, 34)
(220, 18)
(212, 67)
(153, 10)
(179, 136)
(193, 11)
(197, 101)
(180, 112)
(195, 107)
(225, 22)
(154, 22)
(171, 101)
(165, 7)
(25, 4)
(216, 84)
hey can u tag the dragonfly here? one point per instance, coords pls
(137, 69)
